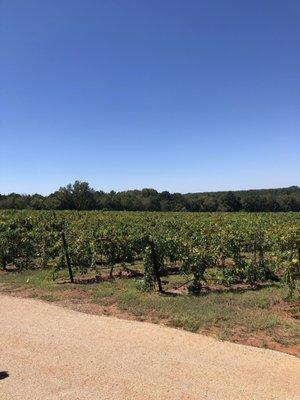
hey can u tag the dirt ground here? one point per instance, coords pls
(49, 352)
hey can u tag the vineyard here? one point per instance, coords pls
(233, 248)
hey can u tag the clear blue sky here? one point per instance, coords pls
(178, 95)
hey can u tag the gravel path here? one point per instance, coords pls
(54, 353)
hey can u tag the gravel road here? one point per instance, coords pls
(52, 353)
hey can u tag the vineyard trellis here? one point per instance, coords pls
(241, 247)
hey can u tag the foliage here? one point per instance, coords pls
(246, 248)
(80, 196)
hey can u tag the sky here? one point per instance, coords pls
(177, 95)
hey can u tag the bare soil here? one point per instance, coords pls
(53, 353)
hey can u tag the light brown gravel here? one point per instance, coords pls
(55, 353)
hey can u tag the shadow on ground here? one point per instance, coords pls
(4, 375)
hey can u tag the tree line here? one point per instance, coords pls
(80, 196)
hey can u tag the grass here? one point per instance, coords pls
(258, 317)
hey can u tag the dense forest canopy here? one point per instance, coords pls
(80, 196)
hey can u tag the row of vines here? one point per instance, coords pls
(240, 247)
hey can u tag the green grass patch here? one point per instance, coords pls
(227, 313)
